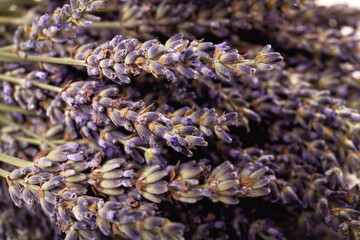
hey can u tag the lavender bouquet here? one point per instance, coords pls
(171, 119)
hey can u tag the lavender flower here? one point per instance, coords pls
(58, 27)
(119, 59)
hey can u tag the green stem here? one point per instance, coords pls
(249, 62)
(4, 59)
(26, 131)
(4, 173)
(110, 8)
(60, 141)
(7, 108)
(10, 20)
(15, 161)
(31, 186)
(31, 58)
(27, 140)
(39, 85)
(6, 48)
(105, 25)
(38, 142)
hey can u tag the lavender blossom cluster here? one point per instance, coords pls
(177, 120)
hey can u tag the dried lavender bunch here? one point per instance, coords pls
(57, 179)
(262, 57)
(286, 138)
(206, 119)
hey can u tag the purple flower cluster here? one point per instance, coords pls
(185, 126)
(56, 28)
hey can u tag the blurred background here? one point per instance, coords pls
(353, 3)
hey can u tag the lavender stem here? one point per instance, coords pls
(18, 81)
(11, 20)
(38, 142)
(28, 140)
(8, 108)
(3, 173)
(15, 161)
(106, 25)
(6, 48)
(66, 61)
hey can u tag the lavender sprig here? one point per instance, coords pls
(101, 105)
(56, 28)
(119, 59)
